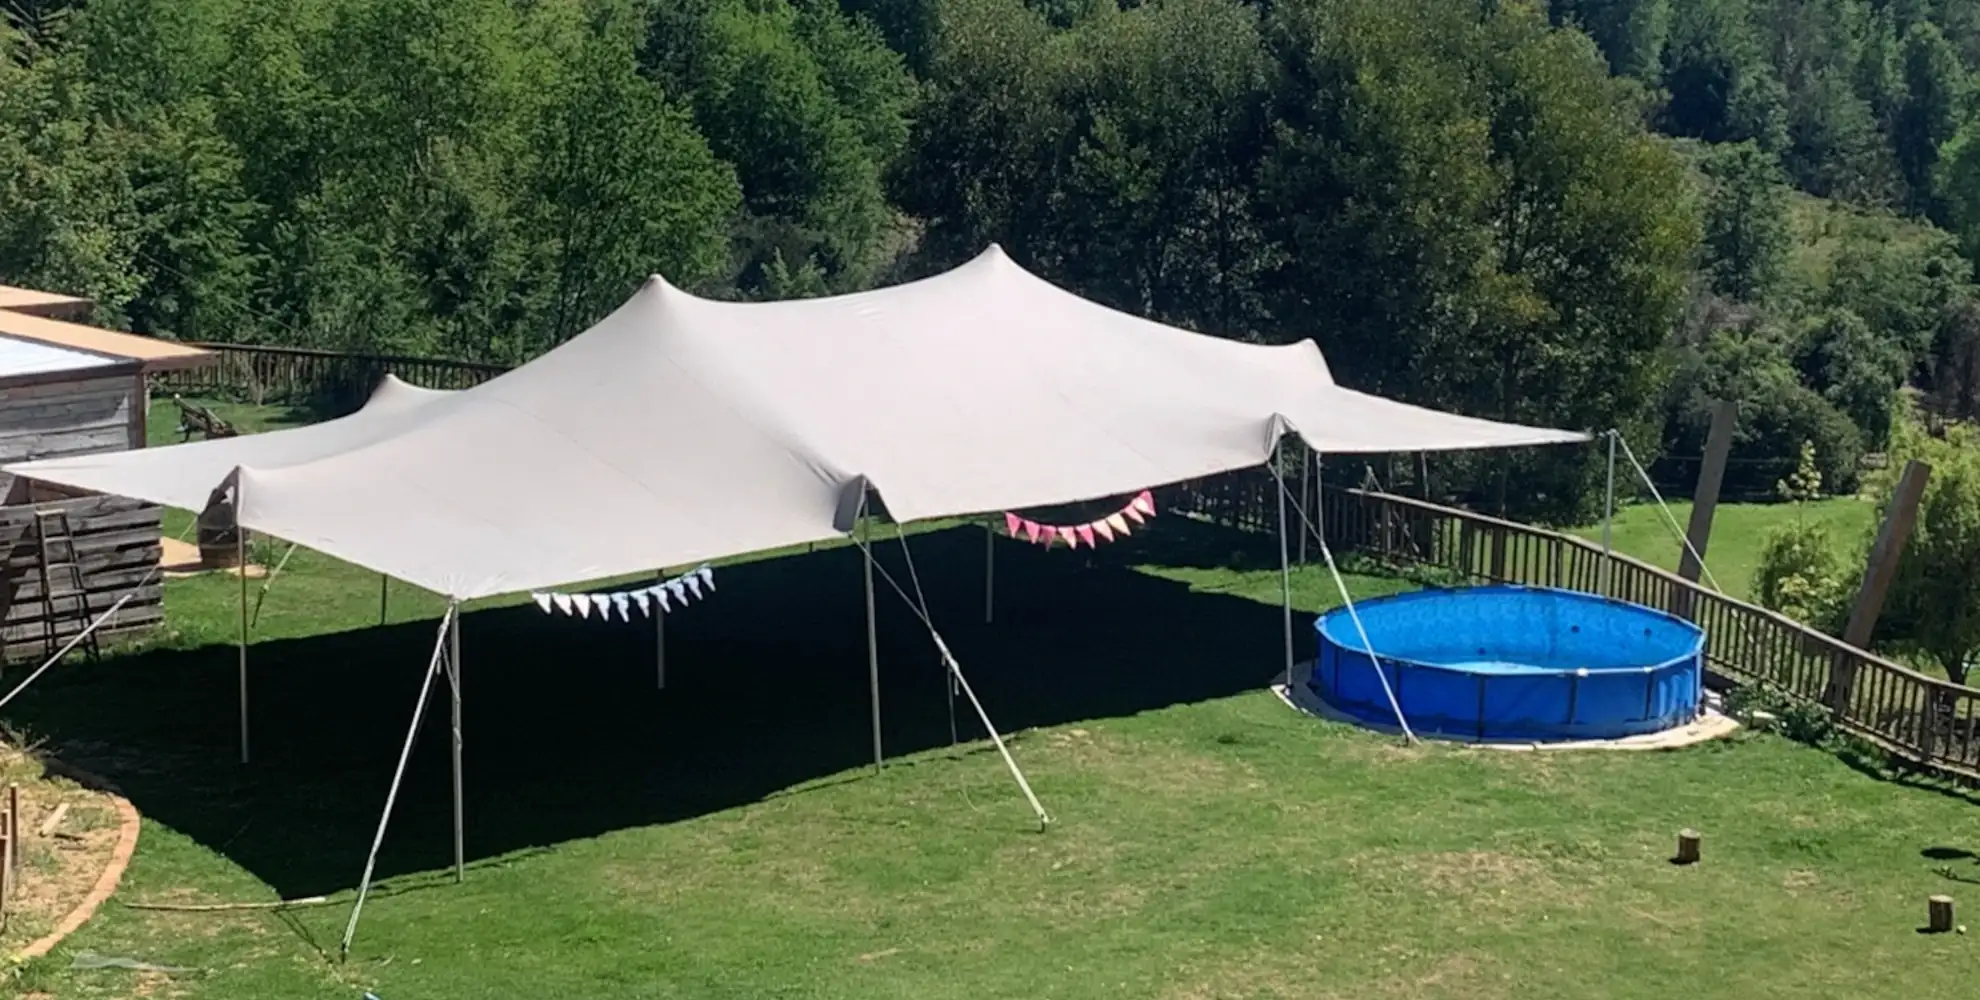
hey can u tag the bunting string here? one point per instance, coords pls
(659, 598)
(1119, 524)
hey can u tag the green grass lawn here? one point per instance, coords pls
(1739, 531)
(727, 837)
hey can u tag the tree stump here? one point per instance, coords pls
(1939, 914)
(1687, 848)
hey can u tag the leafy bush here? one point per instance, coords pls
(1799, 574)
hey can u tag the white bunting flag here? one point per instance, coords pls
(679, 589)
(659, 592)
(644, 600)
(583, 602)
(563, 602)
(542, 601)
(622, 602)
(693, 583)
(707, 576)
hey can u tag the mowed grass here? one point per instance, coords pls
(1739, 534)
(727, 837)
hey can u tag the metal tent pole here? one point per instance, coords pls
(241, 568)
(398, 777)
(384, 584)
(872, 630)
(660, 634)
(1305, 491)
(989, 572)
(1609, 515)
(1285, 567)
(454, 681)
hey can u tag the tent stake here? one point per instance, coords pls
(1285, 567)
(872, 632)
(454, 681)
(398, 776)
(241, 567)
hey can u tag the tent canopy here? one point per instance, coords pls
(680, 429)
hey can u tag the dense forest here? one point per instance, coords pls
(1586, 213)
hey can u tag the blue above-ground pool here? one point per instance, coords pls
(1512, 663)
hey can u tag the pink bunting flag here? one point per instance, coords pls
(1134, 514)
(1101, 528)
(1066, 535)
(1031, 533)
(1146, 502)
(1086, 535)
(1011, 523)
(1118, 523)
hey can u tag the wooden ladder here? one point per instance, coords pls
(51, 530)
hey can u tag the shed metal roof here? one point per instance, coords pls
(19, 356)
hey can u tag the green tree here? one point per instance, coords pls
(1721, 86)
(1630, 32)
(809, 108)
(1933, 606)
(1856, 370)
(1958, 185)
(1778, 411)
(1935, 90)
(67, 218)
(1748, 232)
(1472, 216)
(626, 185)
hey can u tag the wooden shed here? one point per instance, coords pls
(68, 389)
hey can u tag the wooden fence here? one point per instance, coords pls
(264, 374)
(1922, 719)
(117, 548)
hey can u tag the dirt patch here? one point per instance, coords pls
(57, 870)
(1461, 872)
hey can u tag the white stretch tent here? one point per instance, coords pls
(681, 429)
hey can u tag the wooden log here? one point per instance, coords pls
(1939, 914)
(14, 822)
(54, 820)
(1687, 852)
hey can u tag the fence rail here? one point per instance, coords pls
(264, 374)
(1922, 719)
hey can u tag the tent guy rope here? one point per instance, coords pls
(1665, 508)
(955, 670)
(440, 650)
(1347, 599)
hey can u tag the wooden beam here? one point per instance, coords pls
(1885, 553)
(1881, 569)
(1705, 502)
(140, 409)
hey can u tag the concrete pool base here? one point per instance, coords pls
(1708, 726)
